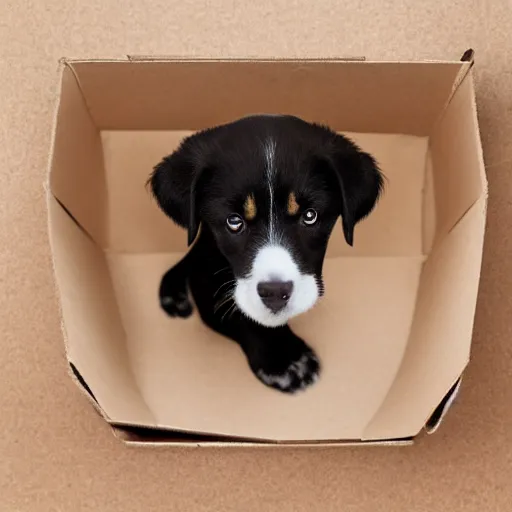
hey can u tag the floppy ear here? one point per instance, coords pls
(359, 180)
(175, 184)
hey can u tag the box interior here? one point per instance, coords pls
(394, 328)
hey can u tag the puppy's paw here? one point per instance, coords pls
(173, 295)
(176, 305)
(295, 375)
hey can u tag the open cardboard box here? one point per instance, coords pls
(394, 328)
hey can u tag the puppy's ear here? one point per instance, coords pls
(175, 184)
(359, 181)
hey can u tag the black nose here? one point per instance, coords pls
(275, 294)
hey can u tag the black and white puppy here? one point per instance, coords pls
(264, 194)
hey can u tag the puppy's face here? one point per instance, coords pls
(269, 189)
(271, 213)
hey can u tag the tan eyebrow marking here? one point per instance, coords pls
(293, 206)
(250, 207)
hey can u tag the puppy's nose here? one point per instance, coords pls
(275, 294)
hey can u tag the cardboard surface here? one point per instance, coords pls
(392, 99)
(48, 425)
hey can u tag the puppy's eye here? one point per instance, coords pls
(309, 217)
(235, 223)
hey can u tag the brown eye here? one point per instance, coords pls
(235, 223)
(309, 217)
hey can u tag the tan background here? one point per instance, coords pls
(56, 454)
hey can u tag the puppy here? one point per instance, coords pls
(259, 198)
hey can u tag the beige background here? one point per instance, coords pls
(56, 453)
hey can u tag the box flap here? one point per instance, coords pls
(95, 340)
(458, 168)
(188, 95)
(440, 338)
(76, 163)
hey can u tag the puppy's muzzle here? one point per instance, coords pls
(275, 294)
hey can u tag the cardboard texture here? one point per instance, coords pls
(57, 453)
(414, 270)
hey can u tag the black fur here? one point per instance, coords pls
(210, 176)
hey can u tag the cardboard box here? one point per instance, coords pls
(394, 328)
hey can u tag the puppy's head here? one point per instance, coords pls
(269, 189)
